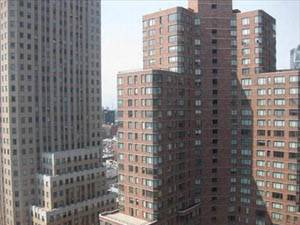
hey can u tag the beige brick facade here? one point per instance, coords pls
(50, 103)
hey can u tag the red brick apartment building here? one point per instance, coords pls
(227, 151)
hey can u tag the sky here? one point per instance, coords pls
(122, 34)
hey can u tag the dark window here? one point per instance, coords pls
(291, 198)
(261, 132)
(277, 195)
(215, 71)
(278, 154)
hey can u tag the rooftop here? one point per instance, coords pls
(124, 219)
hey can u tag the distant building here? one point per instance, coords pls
(109, 116)
(295, 58)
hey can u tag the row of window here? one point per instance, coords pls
(293, 167)
(278, 144)
(268, 80)
(246, 20)
(149, 78)
(257, 30)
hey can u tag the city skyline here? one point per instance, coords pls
(150, 112)
(116, 47)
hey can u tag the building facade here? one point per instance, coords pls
(245, 113)
(109, 116)
(156, 150)
(50, 103)
(295, 58)
(274, 192)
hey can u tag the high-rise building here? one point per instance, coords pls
(50, 165)
(269, 148)
(268, 114)
(245, 113)
(213, 74)
(156, 149)
(295, 58)
(109, 116)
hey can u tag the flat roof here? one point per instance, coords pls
(125, 219)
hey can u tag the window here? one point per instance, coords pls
(246, 61)
(260, 163)
(279, 101)
(277, 216)
(197, 21)
(246, 51)
(258, 60)
(279, 80)
(152, 22)
(261, 123)
(294, 91)
(260, 183)
(246, 82)
(197, 42)
(294, 123)
(278, 165)
(260, 153)
(258, 19)
(279, 91)
(276, 205)
(151, 42)
(175, 59)
(233, 22)
(258, 30)
(173, 39)
(246, 112)
(258, 50)
(291, 208)
(120, 81)
(292, 188)
(261, 102)
(260, 173)
(294, 145)
(294, 79)
(152, 32)
(277, 154)
(246, 32)
(278, 175)
(261, 81)
(246, 122)
(145, 23)
(279, 112)
(173, 17)
(279, 144)
(261, 92)
(245, 71)
(245, 42)
(176, 48)
(245, 21)
(278, 186)
(279, 123)
(261, 112)
(151, 52)
(246, 92)
(258, 41)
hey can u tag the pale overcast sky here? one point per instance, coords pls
(122, 33)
